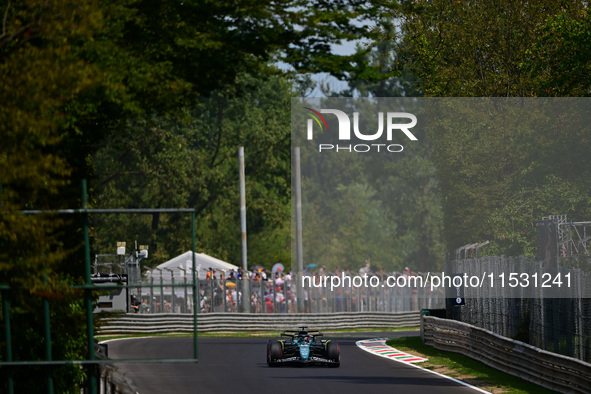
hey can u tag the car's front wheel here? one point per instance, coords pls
(333, 352)
(274, 354)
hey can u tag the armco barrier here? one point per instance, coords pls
(110, 379)
(133, 323)
(546, 369)
(113, 381)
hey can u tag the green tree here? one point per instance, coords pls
(348, 226)
(559, 62)
(498, 170)
(39, 74)
(381, 206)
(474, 48)
(74, 74)
(406, 186)
(163, 163)
(382, 77)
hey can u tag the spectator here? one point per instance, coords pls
(269, 305)
(144, 307)
(293, 301)
(406, 272)
(366, 268)
(203, 302)
(256, 280)
(135, 304)
(255, 302)
(288, 279)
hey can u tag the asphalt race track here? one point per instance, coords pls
(238, 365)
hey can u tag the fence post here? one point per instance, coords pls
(7, 336)
(88, 294)
(243, 251)
(48, 353)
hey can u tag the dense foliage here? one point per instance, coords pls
(163, 163)
(149, 100)
(498, 177)
(76, 76)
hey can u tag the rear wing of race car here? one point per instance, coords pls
(292, 333)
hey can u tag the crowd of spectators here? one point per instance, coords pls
(269, 291)
(275, 291)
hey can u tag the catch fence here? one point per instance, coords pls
(556, 318)
(280, 296)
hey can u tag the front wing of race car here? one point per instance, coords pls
(312, 360)
(290, 355)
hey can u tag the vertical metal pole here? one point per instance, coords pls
(299, 244)
(151, 302)
(7, 334)
(212, 290)
(172, 291)
(88, 282)
(263, 304)
(274, 294)
(161, 292)
(248, 283)
(382, 307)
(223, 286)
(48, 354)
(7, 338)
(184, 310)
(242, 182)
(579, 295)
(129, 269)
(195, 286)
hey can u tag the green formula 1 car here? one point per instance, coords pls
(303, 347)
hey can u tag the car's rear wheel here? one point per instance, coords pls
(274, 354)
(333, 352)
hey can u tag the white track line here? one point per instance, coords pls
(361, 346)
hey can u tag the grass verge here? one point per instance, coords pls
(464, 368)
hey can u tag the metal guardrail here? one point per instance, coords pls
(546, 369)
(113, 381)
(554, 314)
(110, 379)
(131, 323)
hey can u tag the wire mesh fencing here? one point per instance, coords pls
(547, 307)
(174, 295)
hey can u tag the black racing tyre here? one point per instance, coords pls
(333, 352)
(275, 352)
